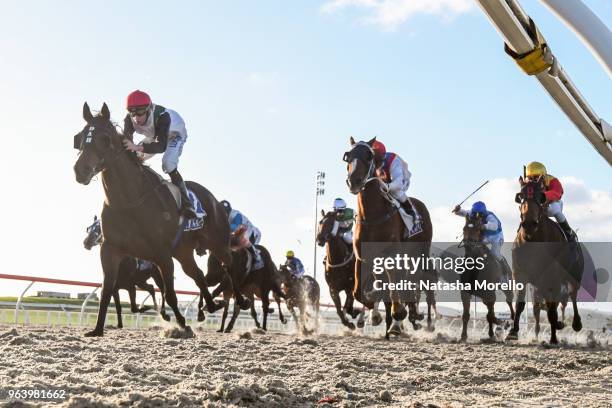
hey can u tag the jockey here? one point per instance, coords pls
(164, 132)
(553, 191)
(294, 265)
(344, 216)
(236, 220)
(394, 171)
(492, 232)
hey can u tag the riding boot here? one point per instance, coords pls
(257, 260)
(569, 232)
(506, 270)
(187, 209)
(407, 206)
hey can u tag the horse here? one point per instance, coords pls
(303, 293)
(339, 269)
(132, 274)
(491, 273)
(140, 216)
(543, 258)
(253, 283)
(379, 220)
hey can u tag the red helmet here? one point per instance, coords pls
(379, 148)
(138, 98)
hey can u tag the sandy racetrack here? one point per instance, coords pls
(144, 368)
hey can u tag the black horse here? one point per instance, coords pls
(491, 273)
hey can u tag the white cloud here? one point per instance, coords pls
(389, 14)
(588, 211)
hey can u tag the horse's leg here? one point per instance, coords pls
(225, 311)
(191, 269)
(577, 321)
(465, 317)
(280, 310)
(491, 319)
(336, 299)
(295, 317)
(520, 306)
(553, 319)
(156, 275)
(509, 298)
(117, 301)
(375, 317)
(388, 321)
(235, 314)
(254, 312)
(413, 315)
(132, 292)
(167, 270)
(537, 307)
(111, 258)
(430, 297)
(265, 305)
(151, 289)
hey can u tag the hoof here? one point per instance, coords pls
(360, 324)
(220, 330)
(416, 326)
(463, 338)
(560, 326)
(577, 325)
(376, 320)
(120, 326)
(215, 306)
(401, 315)
(430, 328)
(512, 335)
(201, 316)
(94, 333)
(244, 303)
(395, 331)
(228, 330)
(165, 317)
(350, 325)
(283, 321)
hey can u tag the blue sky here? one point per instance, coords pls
(270, 92)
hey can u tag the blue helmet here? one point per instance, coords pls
(479, 208)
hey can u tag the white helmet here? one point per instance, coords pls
(339, 204)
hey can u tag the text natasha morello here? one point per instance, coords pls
(447, 286)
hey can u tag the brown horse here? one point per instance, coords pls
(491, 273)
(339, 269)
(140, 216)
(543, 258)
(253, 283)
(303, 293)
(379, 220)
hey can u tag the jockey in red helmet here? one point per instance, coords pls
(164, 132)
(394, 171)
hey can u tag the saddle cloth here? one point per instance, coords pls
(413, 226)
(195, 223)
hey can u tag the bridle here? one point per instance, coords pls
(334, 233)
(369, 177)
(531, 191)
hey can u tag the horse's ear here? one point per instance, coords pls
(87, 113)
(105, 112)
(95, 218)
(322, 213)
(371, 141)
(521, 181)
(351, 141)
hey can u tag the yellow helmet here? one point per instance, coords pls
(290, 254)
(535, 169)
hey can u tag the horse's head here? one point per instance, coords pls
(94, 234)
(98, 143)
(532, 200)
(360, 164)
(328, 227)
(472, 230)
